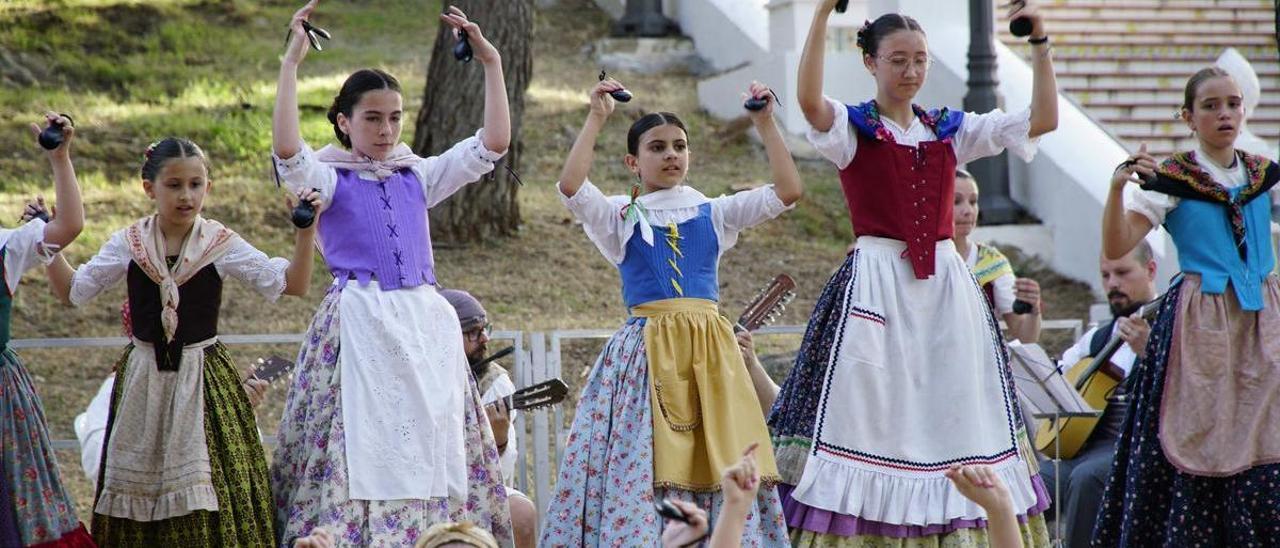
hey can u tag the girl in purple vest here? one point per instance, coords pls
(383, 433)
(669, 404)
(182, 463)
(902, 371)
(35, 509)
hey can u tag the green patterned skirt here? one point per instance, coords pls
(244, 516)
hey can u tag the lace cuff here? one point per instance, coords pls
(1013, 133)
(298, 163)
(266, 275)
(837, 144)
(1152, 205)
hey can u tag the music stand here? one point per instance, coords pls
(1051, 396)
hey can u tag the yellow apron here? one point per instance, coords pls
(704, 407)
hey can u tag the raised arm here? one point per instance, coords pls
(1121, 229)
(809, 86)
(1044, 84)
(497, 113)
(286, 137)
(578, 164)
(68, 223)
(786, 179)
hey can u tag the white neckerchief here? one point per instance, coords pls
(1230, 177)
(678, 197)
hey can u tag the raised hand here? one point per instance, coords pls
(602, 102)
(52, 120)
(298, 45)
(481, 48)
(740, 481)
(1028, 10)
(678, 534)
(980, 484)
(1141, 163)
(759, 101)
(35, 209)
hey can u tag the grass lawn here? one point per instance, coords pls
(132, 72)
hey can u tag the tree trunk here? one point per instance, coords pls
(453, 108)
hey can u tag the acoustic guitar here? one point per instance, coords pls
(768, 304)
(1096, 378)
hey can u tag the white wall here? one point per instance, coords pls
(726, 33)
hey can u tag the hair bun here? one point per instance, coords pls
(862, 35)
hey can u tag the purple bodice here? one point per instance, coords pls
(378, 230)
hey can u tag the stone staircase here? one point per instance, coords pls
(1126, 61)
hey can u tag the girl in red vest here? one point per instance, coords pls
(902, 371)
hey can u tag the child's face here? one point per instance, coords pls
(179, 190)
(900, 65)
(1217, 112)
(662, 160)
(374, 125)
(966, 204)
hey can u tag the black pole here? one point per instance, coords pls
(992, 172)
(644, 18)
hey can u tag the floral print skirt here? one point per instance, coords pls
(34, 507)
(1149, 502)
(309, 468)
(604, 494)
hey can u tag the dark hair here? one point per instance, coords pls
(962, 174)
(648, 122)
(352, 90)
(1193, 85)
(160, 152)
(872, 32)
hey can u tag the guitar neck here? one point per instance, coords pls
(1113, 344)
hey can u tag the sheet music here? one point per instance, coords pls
(1040, 383)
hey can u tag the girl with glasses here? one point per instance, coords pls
(902, 370)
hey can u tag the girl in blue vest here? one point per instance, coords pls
(1197, 461)
(902, 371)
(669, 404)
(34, 507)
(383, 433)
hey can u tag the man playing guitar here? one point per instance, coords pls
(1129, 283)
(495, 384)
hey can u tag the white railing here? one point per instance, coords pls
(542, 432)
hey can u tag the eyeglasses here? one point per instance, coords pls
(474, 334)
(901, 62)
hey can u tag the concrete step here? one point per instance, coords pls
(1168, 126)
(1159, 146)
(1080, 64)
(1174, 12)
(1189, 24)
(1162, 96)
(1110, 48)
(1157, 111)
(1201, 40)
(1075, 80)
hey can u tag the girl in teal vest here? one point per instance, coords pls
(34, 507)
(1196, 463)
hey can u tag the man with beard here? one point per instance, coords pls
(495, 384)
(1129, 283)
